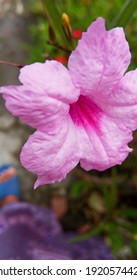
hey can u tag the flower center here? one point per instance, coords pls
(85, 112)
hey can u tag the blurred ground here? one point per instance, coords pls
(13, 36)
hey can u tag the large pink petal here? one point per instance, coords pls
(103, 143)
(51, 157)
(100, 59)
(51, 78)
(105, 148)
(121, 103)
(43, 99)
(39, 111)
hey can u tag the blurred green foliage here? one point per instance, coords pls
(112, 213)
(81, 13)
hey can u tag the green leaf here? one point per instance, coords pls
(129, 212)
(110, 192)
(115, 237)
(133, 246)
(76, 189)
(55, 21)
(91, 233)
(125, 14)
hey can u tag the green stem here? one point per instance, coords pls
(55, 20)
(91, 233)
(125, 14)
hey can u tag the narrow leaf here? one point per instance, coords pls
(55, 20)
(96, 231)
(125, 14)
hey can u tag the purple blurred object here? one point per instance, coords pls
(32, 232)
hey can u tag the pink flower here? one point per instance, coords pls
(85, 113)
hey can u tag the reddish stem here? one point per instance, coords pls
(11, 63)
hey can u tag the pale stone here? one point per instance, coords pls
(6, 122)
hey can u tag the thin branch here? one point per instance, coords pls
(11, 63)
(56, 45)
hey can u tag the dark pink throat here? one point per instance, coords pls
(85, 112)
